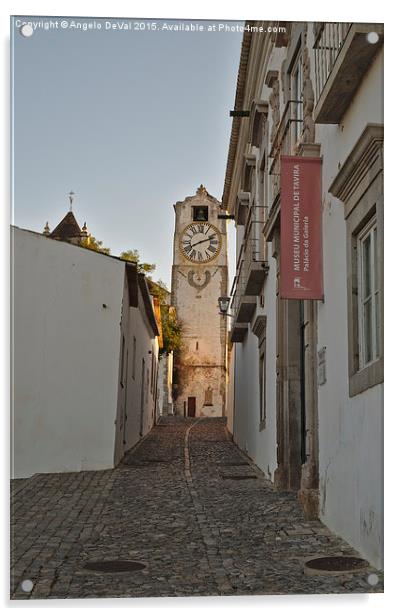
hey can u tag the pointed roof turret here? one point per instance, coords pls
(67, 229)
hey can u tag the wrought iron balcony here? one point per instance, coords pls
(287, 137)
(343, 53)
(250, 274)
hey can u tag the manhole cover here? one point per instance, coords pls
(114, 566)
(334, 565)
(239, 477)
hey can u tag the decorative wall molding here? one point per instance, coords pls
(202, 279)
(364, 161)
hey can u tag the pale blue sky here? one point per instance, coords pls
(132, 121)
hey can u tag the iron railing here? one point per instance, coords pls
(328, 43)
(287, 135)
(253, 250)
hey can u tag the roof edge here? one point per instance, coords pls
(236, 123)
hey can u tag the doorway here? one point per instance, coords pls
(303, 455)
(142, 398)
(191, 406)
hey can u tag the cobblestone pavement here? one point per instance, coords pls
(173, 505)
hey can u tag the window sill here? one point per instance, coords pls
(367, 377)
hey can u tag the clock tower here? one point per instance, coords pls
(199, 278)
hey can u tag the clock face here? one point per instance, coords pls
(200, 242)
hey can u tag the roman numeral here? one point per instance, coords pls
(212, 248)
(192, 254)
(200, 228)
(187, 249)
(199, 256)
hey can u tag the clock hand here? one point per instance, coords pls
(200, 242)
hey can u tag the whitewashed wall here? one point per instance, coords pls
(260, 445)
(66, 348)
(164, 385)
(230, 390)
(139, 413)
(350, 429)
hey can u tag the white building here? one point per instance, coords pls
(308, 393)
(165, 405)
(85, 356)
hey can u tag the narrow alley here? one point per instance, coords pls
(187, 505)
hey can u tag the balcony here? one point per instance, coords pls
(342, 57)
(287, 136)
(250, 274)
(238, 332)
(242, 306)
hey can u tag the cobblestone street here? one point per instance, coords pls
(186, 503)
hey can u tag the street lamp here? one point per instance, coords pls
(223, 303)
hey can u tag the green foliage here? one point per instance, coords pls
(91, 243)
(171, 330)
(159, 290)
(133, 256)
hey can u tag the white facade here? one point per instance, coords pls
(165, 404)
(67, 304)
(321, 429)
(138, 365)
(350, 428)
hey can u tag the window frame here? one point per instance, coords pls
(297, 96)
(359, 186)
(369, 231)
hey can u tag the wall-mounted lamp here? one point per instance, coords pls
(226, 216)
(223, 303)
(239, 113)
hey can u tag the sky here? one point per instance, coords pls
(130, 120)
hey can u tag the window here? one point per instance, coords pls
(296, 95)
(200, 213)
(208, 397)
(359, 185)
(368, 295)
(134, 358)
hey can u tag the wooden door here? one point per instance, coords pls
(191, 406)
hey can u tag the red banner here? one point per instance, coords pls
(301, 243)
